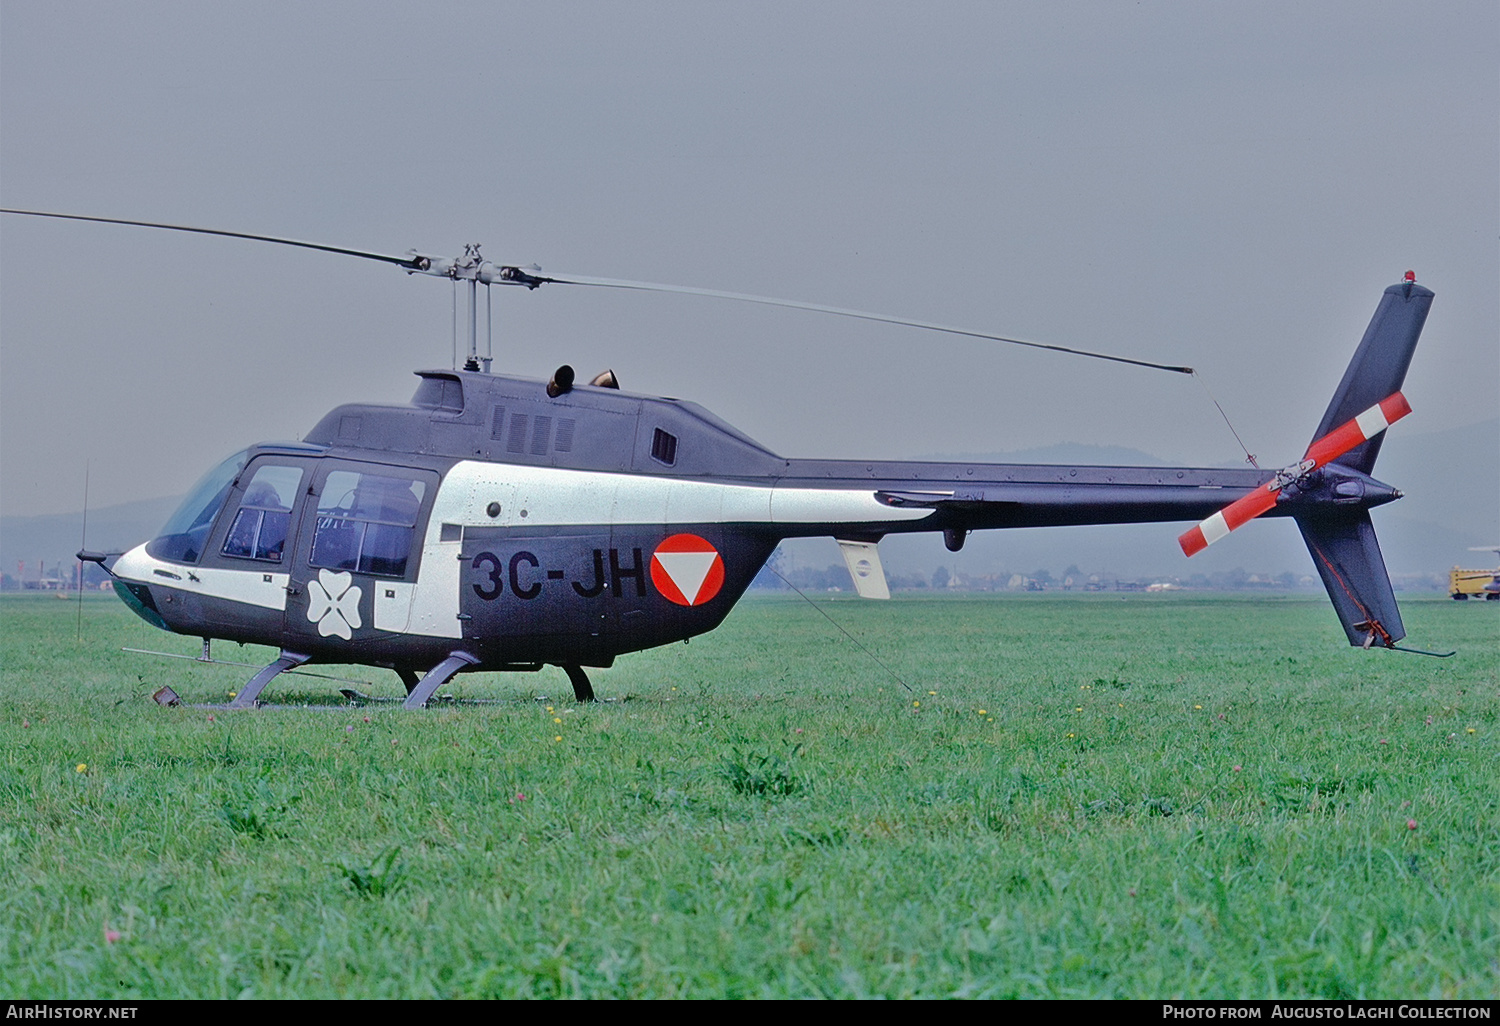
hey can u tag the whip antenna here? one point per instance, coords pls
(824, 614)
(83, 545)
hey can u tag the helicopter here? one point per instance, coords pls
(501, 523)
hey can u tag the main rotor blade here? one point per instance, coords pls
(1322, 452)
(646, 286)
(490, 274)
(414, 263)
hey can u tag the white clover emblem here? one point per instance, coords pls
(333, 604)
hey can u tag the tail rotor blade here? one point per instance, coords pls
(1322, 452)
(1359, 430)
(1237, 513)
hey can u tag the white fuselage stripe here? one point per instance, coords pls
(253, 586)
(554, 497)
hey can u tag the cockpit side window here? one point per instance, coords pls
(182, 537)
(365, 522)
(265, 515)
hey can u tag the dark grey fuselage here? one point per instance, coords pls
(493, 519)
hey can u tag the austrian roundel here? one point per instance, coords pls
(687, 570)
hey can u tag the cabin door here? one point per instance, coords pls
(358, 547)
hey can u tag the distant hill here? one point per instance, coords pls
(55, 537)
(1451, 480)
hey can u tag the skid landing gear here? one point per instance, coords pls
(251, 691)
(436, 678)
(583, 691)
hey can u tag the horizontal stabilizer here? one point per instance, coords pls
(1347, 555)
(863, 561)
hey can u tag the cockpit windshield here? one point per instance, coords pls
(181, 539)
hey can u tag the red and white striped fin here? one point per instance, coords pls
(1322, 451)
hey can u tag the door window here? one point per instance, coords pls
(265, 515)
(365, 522)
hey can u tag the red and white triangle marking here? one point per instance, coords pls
(687, 570)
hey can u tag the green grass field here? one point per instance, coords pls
(1086, 796)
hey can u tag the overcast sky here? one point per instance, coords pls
(1226, 185)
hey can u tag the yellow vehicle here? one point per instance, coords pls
(1463, 583)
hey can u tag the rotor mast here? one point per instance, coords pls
(471, 255)
(474, 270)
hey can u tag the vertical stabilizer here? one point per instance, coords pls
(1379, 365)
